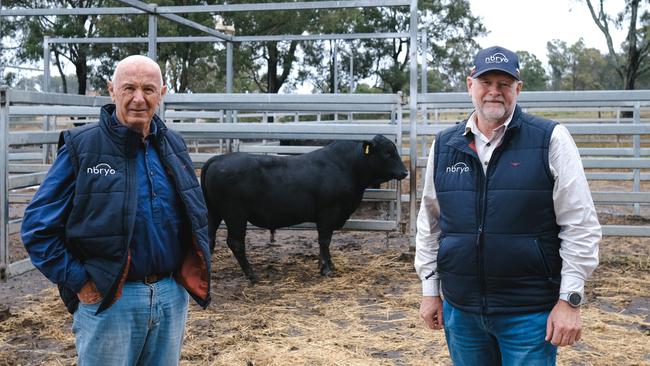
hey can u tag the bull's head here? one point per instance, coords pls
(384, 160)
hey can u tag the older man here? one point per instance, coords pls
(119, 224)
(507, 230)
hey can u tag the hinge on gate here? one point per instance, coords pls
(3, 96)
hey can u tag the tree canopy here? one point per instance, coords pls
(632, 63)
(379, 65)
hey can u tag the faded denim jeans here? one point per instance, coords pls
(144, 327)
(512, 339)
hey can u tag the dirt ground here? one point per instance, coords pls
(366, 314)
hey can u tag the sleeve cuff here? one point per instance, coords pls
(431, 287)
(77, 277)
(571, 283)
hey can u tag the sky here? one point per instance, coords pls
(526, 25)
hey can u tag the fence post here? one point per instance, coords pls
(4, 194)
(636, 145)
(413, 111)
(398, 112)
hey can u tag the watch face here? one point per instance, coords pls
(574, 299)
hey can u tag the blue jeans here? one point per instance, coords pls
(512, 339)
(144, 327)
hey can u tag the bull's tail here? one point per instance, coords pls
(203, 170)
(214, 216)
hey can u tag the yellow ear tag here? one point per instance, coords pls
(367, 150)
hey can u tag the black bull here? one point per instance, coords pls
(324, 186)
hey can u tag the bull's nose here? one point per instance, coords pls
(403, 175)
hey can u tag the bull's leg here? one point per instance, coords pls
(236, 243)
(213, 225)
(325, 260)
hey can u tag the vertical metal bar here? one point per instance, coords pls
(413, 93)
(351, 76)
(636, 145)
(352, 84)
(4, 195)
(229, 82)
(335, 87)
(229, 68)
(153, 37)
(424, 80)
(46, 88)
(425, 50)
(398, 200)
(335, 60)
(46, 64)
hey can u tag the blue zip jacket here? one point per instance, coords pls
(499, 245)
(82, 226)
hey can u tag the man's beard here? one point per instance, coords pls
(493, 113)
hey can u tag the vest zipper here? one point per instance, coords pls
(479, 239)
(481, 228)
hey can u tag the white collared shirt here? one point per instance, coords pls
(580, 231)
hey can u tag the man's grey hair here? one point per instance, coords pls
(136, 58)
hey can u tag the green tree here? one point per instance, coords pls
(186, 67)
(633, 62)
(578, 67)
(276, 58)
(558, 61)
(450, 27)
(33, 29)
(532, 72)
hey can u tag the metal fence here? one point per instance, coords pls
(617, 121)
(20, 108)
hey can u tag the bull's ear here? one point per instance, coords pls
(367, 147)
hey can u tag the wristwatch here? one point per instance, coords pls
(574, 298)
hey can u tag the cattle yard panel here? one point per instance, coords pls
(603, 163)
(390, 104)
(21, 174)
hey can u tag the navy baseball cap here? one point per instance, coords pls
(495, 59)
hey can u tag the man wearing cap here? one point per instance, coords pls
(507, 231)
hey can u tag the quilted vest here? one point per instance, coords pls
(499, 245)
(102, 219)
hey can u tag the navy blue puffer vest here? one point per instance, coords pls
(101, 222)
(499, 246)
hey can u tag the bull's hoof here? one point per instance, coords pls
(253, 278)
(327, 271)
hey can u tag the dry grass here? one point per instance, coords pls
(364, 315)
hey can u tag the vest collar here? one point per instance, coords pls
(121, 134)
(464, 141)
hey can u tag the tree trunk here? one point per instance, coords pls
(272, 69)
(64, 81)
(82, 73)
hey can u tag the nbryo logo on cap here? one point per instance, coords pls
(496, 58)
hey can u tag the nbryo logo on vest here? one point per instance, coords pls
(458, 168)
(101, 169)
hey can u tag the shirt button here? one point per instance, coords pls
(485, 162)
(154, 194)
(150, 173)
(489, 144)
